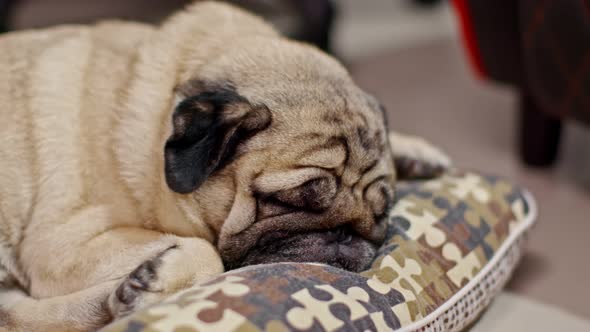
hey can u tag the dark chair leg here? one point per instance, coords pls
(539, 134)
(4, 14)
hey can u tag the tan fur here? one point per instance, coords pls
(85, 112)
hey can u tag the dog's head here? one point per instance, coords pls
(283, 156)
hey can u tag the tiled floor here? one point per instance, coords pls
(429, 91)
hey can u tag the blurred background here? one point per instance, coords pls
(502, 85)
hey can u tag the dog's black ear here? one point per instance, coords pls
(207, 128)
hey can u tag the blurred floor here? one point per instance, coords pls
(429, 91)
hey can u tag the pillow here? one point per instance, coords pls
(452, 244)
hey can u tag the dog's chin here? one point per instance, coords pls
(337, 248)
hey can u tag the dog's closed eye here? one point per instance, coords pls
(315, 195)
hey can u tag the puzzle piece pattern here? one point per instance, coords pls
(196, 300)
(422, 221)
(439, 243)
(319, 310)
(392, 274)
(230, 286)
(469, 184)
(467, 187)
(466, 266)
(174, 316)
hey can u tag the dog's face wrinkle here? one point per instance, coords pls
(278, 249)
(389, 201)
(364, 161)
(388, 196)
(312, 196)
(368, 168)
(369, 145)
(270, 207)
(344, 139)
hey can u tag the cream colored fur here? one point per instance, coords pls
(84, 115)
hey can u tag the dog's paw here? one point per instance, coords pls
(181, 266)
(140, 288)
(416, 158)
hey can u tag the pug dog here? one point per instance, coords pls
(138, 161)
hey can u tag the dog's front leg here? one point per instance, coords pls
(141, 266)
(174, 264)
(85, 310)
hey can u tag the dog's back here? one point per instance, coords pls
(80, 71)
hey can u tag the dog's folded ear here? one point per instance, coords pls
(207, 129)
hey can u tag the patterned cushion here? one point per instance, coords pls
(452, 244)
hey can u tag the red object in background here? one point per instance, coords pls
(541, 48)
(469, 40)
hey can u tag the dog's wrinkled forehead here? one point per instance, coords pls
(291, 79)
(303, 105)
(273, 70)
(321, 113)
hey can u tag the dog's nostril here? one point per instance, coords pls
(341, 235)
(346, 239)
(331, 236)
